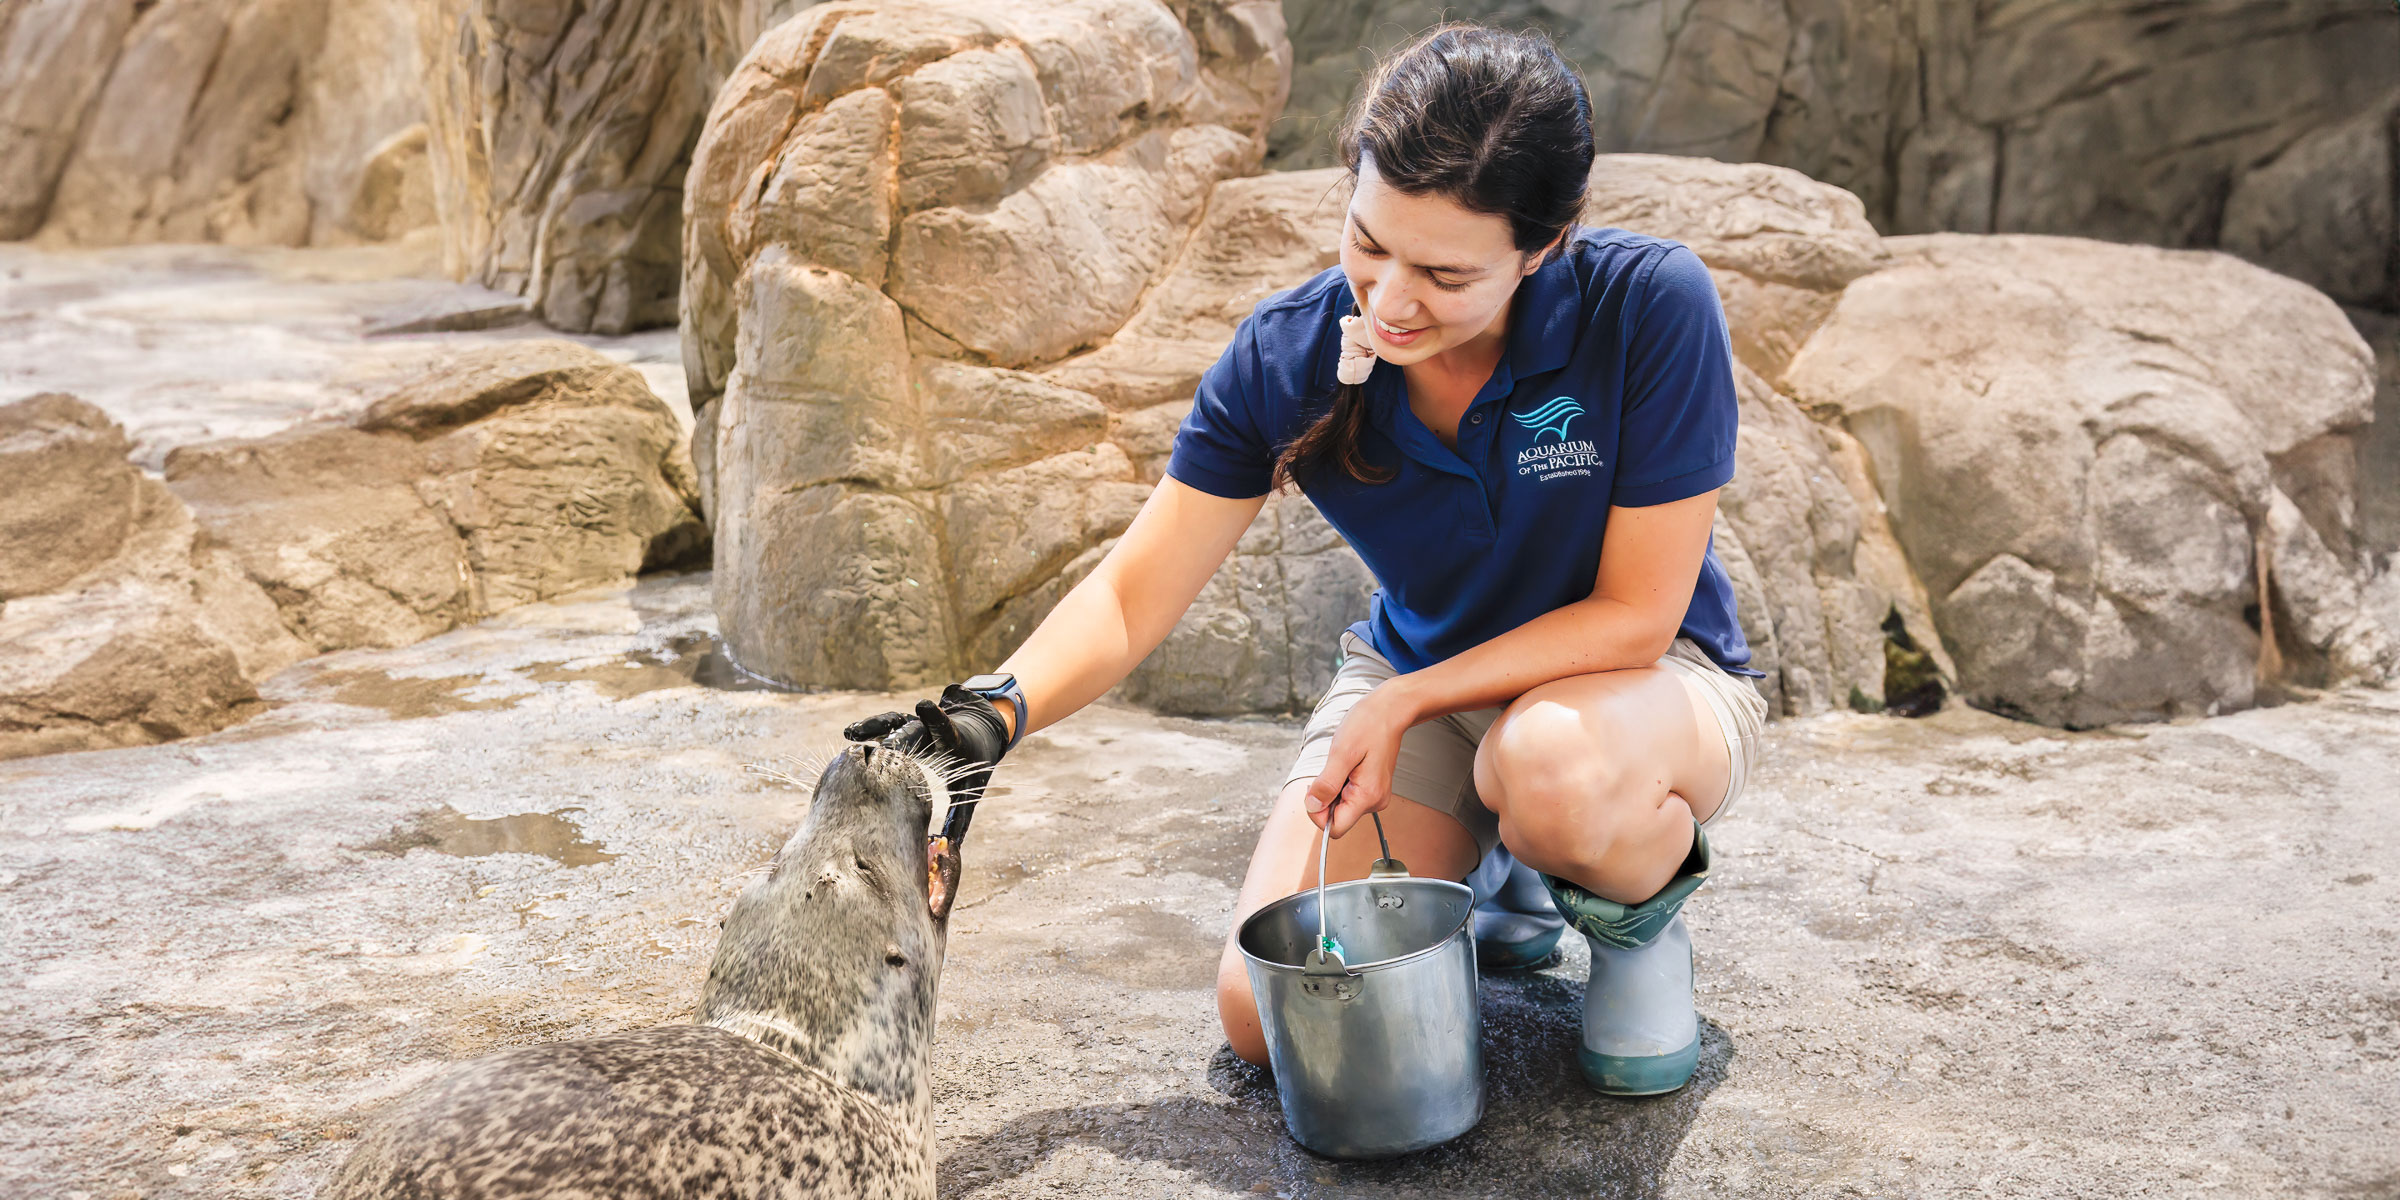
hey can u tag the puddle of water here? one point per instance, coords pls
(690, 660)
(407, 697)
(446, 830)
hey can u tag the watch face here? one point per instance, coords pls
(988, 683)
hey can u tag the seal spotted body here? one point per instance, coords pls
(805, 1074)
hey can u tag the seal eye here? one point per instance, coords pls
(893, 958)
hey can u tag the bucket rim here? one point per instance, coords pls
(1466, 915)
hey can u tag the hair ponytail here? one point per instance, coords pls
(1336, 434)
(1494, 120)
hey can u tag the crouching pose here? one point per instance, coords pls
(1521, 425)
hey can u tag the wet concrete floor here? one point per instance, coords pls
(1940, 957)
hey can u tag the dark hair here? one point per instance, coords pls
(1493, 120)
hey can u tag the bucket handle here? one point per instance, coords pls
(1326, 959)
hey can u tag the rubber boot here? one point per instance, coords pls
(1640, 1035)
(1515, 924)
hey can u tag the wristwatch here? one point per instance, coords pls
(995, 688)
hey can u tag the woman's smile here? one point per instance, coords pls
(1397, 337)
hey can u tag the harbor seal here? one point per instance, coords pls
(804, 1073)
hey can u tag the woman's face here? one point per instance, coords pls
(1432, 274)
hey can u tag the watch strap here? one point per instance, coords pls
(1014, 693)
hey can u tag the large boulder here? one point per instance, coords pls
(1780, 245)
(901, 219)
(120, 622)
(2112, 467)
(508, 474)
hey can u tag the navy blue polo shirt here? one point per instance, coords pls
(1616, 388)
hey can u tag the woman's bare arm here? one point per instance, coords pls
(1648, 564)
(1125, 607)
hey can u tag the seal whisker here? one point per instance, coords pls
(797, 770)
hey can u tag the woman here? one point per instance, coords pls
(1521, 426)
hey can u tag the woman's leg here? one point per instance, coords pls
(1432, 843)
(1597, 778)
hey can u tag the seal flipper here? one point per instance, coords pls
(941, 877)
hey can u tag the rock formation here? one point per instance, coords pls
(2262, 128)
(902, 218)
(507, 475)
(121, 622)
(1816, 572)
(242, 121)
(905, 479)
(134, 611)
(2100, 457)
(559, 142)
(549, 148)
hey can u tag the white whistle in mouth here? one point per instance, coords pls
(1358, 354)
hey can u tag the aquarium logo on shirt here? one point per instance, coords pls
(1550, 418)
(1561, 458)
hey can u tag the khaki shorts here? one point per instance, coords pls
(1437, 758)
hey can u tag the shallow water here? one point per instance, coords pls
(446, 830)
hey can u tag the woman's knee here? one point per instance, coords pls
(1546, 760)
(1562, 798)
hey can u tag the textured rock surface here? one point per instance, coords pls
(902, 218)
(1815, 569)
(1782, 246)
(119, 622)
(237, 121)
(1950, 957)
(2094, 454)
(504, 476)
(194, 138)
(54, 55)
(2120, 119)
(559, 141)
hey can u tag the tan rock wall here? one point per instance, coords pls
(54, 55)
(559, 140)
(240, 121)
(2175, 124)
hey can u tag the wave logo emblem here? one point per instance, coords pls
(1550, 418)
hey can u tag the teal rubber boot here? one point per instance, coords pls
(1640, 1035)
(1516, 926)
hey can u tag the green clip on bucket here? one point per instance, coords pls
(1385, 1056)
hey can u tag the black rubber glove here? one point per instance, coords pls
(963, 727)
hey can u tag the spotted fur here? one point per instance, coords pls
(805, 1074)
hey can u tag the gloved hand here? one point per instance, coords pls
(963, 727)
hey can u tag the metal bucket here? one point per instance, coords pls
(1386, 1056)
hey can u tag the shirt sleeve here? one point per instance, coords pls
(1677, 435)
(1222, 446)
